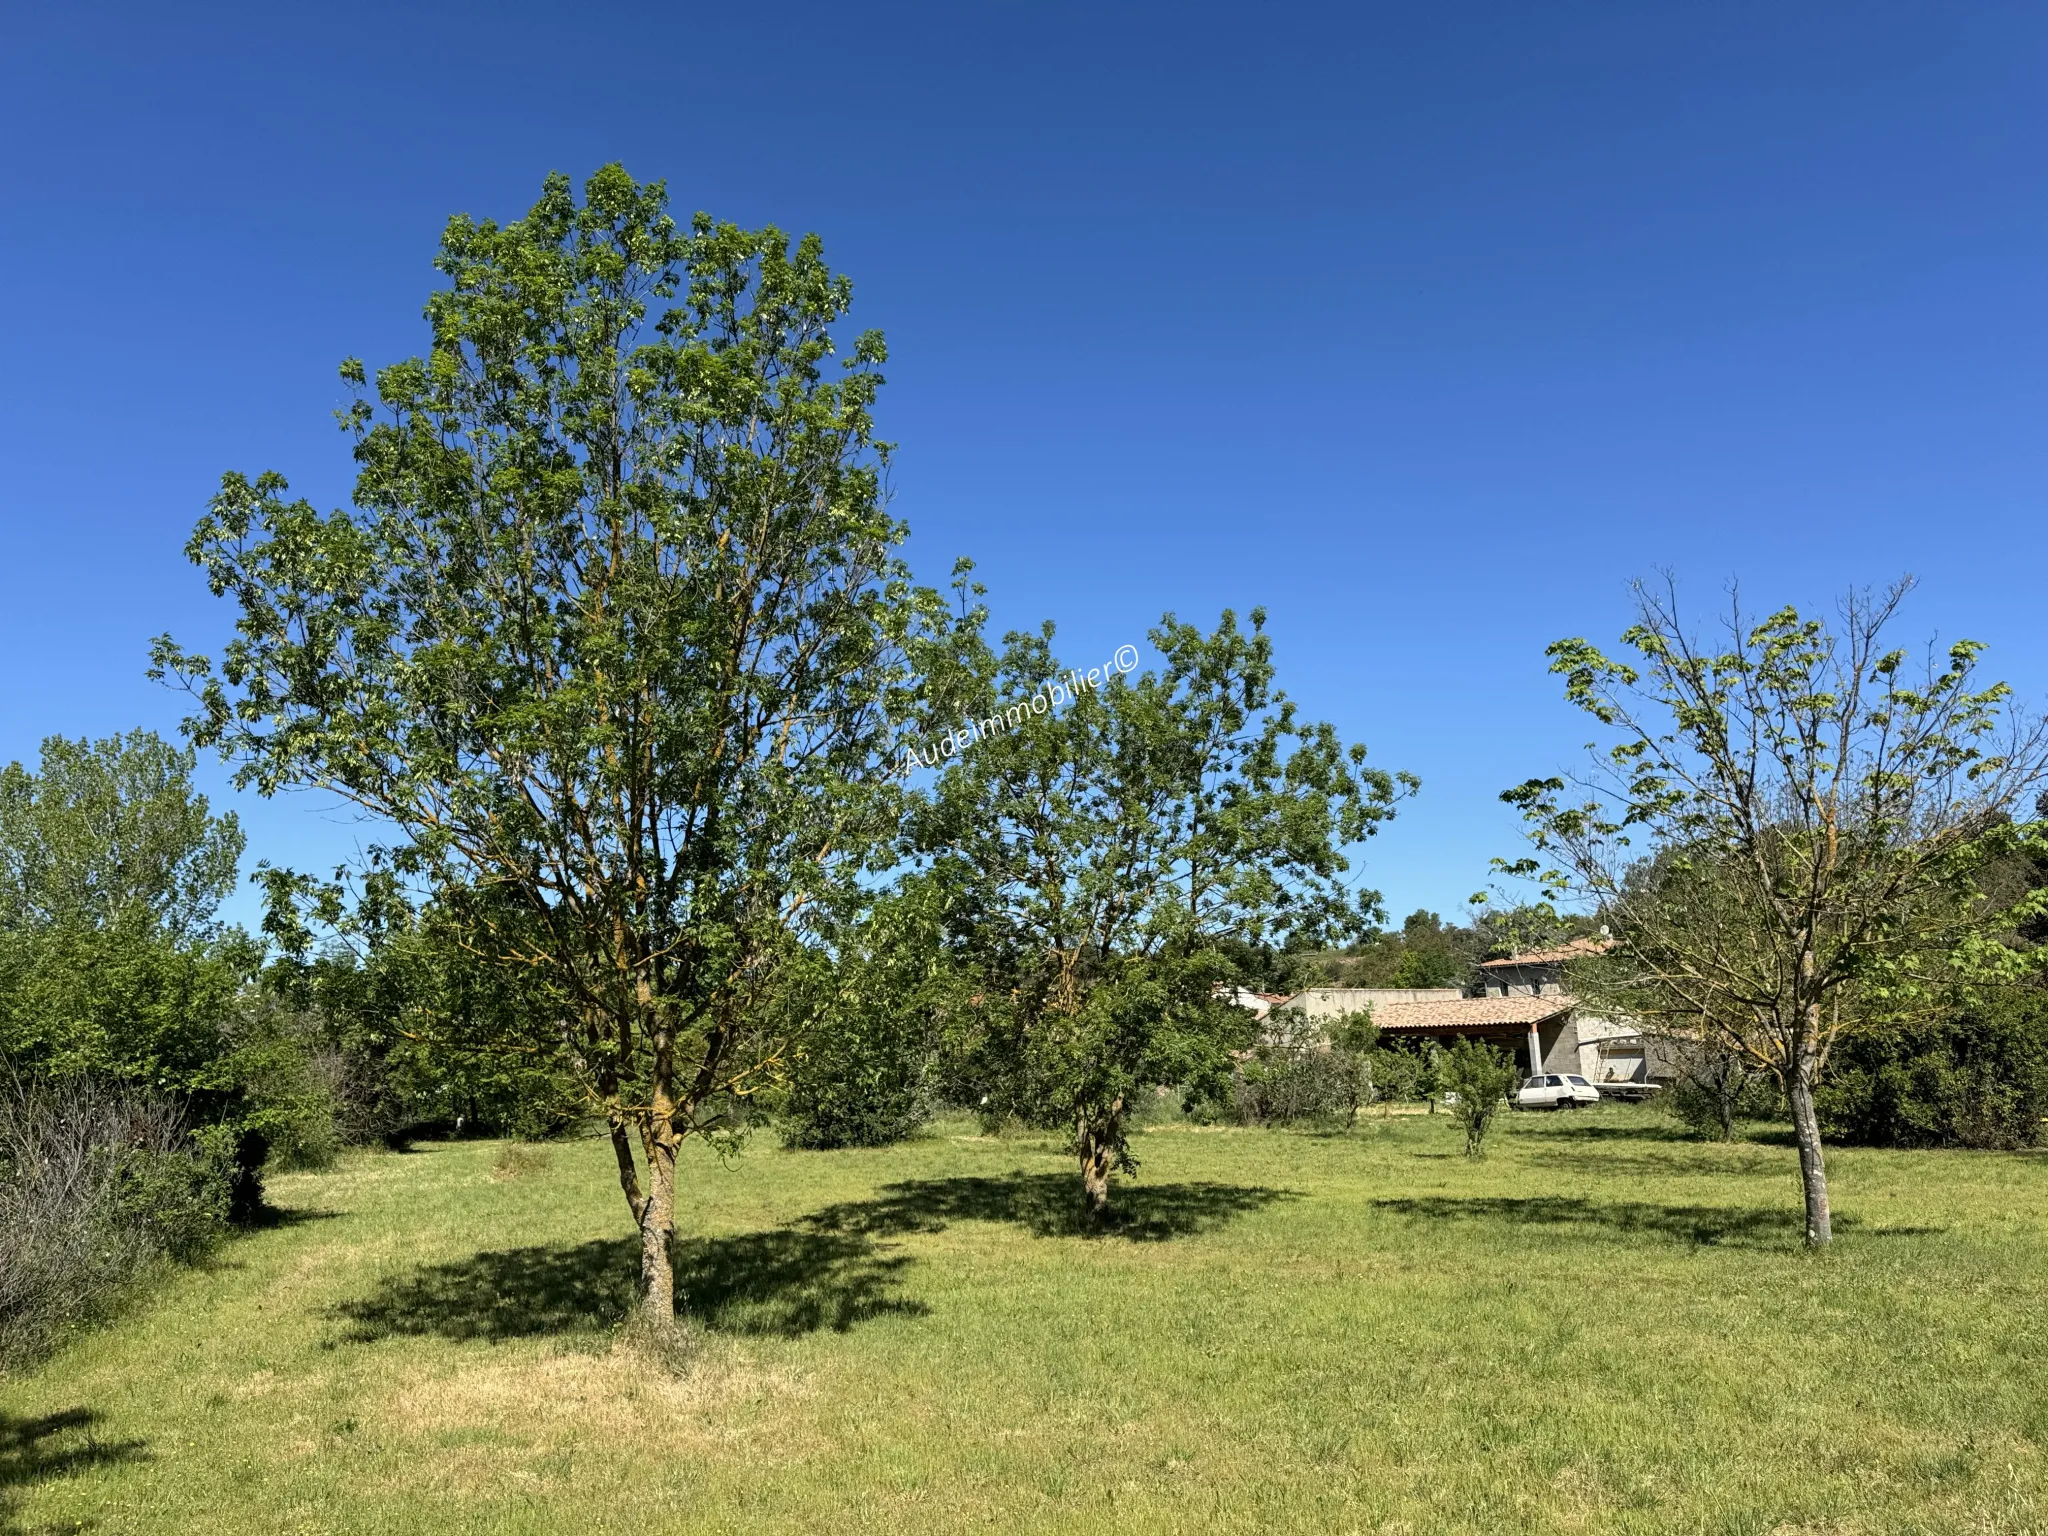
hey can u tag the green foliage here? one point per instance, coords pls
(1402, 1074)
(415, 1031)
(114, 971)
(181, 1197)
(1305, 1073)
(1475, 1080)
(1141, 1022)
(1100, 853)
(866, 1075)
(1978, 1078)
(1789, 833)
(616, 636)
(286, 1075)
(1712, 1087)
(1427, 968)
(111, 962)
(122, 1001)
(1425, 951)
(110, 835)
(113, 968)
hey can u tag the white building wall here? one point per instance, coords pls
(1321, 1003)
(1610, 1051)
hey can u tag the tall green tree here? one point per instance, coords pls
(1107, 836)
(113, 961)
(615, 634)
(1788, 833)
(112, 833)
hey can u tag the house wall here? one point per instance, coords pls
(1610, 1051)
(1621, 1060)
(1559, 1039)
(1523, 981)
(1334, 1002)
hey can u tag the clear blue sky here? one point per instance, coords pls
(1427, 326)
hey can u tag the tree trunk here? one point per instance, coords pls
(1097, 1145)
(657, 1225)
(1813, 1175)
(1726, 1090)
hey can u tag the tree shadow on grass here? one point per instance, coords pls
(1719, 1161)
(1560, 1127)
(36, 1450)
(268, 1217)
(785, 1282)
(828, 1270)
(1702, 1226)
(1048, 1205)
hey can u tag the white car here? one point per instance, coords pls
(1556, 1091)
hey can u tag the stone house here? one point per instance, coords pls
(1523, 1008)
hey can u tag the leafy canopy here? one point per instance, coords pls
(615, 635)
(1798, 815)
(1107, 851)
(111, 833)
(112, 958)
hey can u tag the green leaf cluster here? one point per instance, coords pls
(1105, 857)
(112, 962)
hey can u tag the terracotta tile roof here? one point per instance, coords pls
(1578, 949)
(1472, 1012)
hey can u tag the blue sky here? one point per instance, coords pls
(1426, 327)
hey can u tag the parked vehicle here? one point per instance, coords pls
(1557, 1090)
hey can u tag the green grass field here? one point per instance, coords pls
(1601, 1327)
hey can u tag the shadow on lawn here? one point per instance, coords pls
(826, 1270)
(788, 1281)
(1554, 1126)
(27, 1456)
(1697, 1161)
(268, 1217)
(1048, 1205)
(1700, 1225)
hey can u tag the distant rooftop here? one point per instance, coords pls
(1465, 1013)
(1578, 949)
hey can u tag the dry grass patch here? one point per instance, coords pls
(614, 1395)
(520, 1161)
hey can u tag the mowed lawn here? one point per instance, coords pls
(1603, 1326)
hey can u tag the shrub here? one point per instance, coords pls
(1475, 1079)
(1292, 1087)
(869, 1070)
(852, 1098)
(1976, 1079)
(97, 1183)
(287, 1080)
(1306, 1073)
(1712, 1087)
(1400, 1075)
